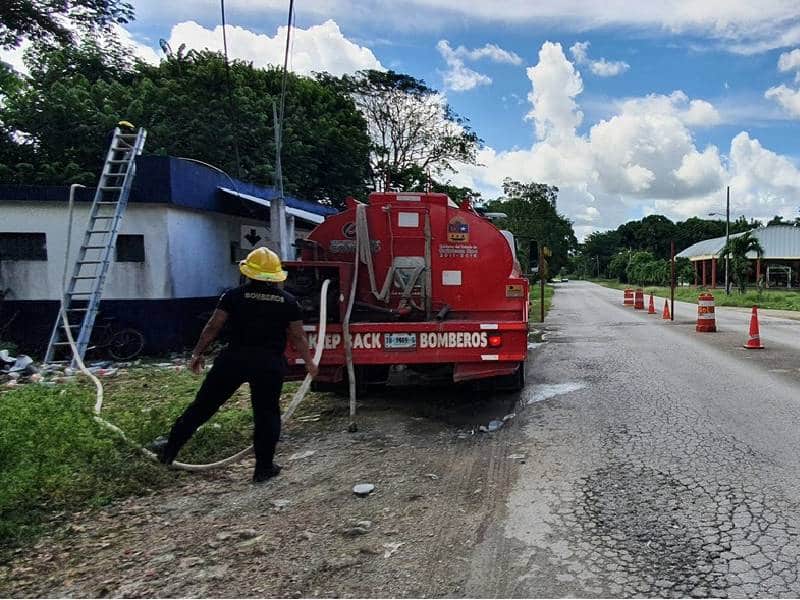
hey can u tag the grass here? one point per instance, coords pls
(534, 312)
(55, 458)
(778, 300)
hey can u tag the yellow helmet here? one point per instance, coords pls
(125, 124)
(262, 264)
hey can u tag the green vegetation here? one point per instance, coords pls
(533, 312)
(532, 216)
(646, 242)
(777, 300)
(737, 249)
(55, 457)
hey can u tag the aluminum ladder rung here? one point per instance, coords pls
(123, 150)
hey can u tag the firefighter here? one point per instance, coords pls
(259, 316)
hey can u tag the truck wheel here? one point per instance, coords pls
(512, 383)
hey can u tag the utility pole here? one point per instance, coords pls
(597, 260)
(727, 238)
(672, 280)
(279, 233)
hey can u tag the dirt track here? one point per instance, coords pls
(439, 489)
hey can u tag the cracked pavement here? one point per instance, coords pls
(672, 472)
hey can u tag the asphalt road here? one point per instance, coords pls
(660, 461)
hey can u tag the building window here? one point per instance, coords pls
(23, 246)
(130, 248)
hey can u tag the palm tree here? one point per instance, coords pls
(737, 250)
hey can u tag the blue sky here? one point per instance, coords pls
(630, 107)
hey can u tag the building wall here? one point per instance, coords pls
(41, 280)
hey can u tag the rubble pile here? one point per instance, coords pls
(22, 369)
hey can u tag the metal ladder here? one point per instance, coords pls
(85, 288)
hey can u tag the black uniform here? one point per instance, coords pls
(258, 317)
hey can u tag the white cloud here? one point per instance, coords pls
(641, 160)
(787, 97)
(600, 67)
(789, 61)
(459, 77)
(492, 52)
(694, 113)
(734, 25)
(555, 84)
(318, 48)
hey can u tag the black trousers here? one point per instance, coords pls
(232, 368)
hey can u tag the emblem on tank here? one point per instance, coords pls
(457, 230)
(349, 230)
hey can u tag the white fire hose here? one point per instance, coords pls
(298, 397)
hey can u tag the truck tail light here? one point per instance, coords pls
(495, 341)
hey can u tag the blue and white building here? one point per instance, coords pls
(185, 229)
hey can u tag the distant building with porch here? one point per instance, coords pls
(779, 265)
(185, 228)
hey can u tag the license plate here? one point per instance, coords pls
(399, 341)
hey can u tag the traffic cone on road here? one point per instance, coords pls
(665, 314)
(754, 341)
(651, 308)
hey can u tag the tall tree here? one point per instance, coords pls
(531, 215)
(54, 20)
(74, 96)
(412, 128)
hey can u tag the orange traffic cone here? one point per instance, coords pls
(665, 314)
(754, 341)
(651, 308)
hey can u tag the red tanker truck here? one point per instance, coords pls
(416, 280)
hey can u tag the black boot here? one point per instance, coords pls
(262, 475)
(164, 451)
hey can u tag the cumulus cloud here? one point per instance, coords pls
(786, 97)
(460, 78)
(789, 61)
(600, 67)
(319, 48)
(695, 113)
(641, 160)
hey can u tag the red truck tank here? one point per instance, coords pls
(438, 288)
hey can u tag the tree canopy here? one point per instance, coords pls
(53, 21)
(532, 216)
(55, 123)
(413, 130)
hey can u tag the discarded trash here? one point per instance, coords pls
(534, 345)
(483, 429)
(516, 456)
(495, 425)
(36, 378)
(545, 392)
(390, 548)
(303, 454)
(363, 489)
(356, 531)
(279, 503)
(308, 418)
(509, 417)
(433, 476)
(23, 365)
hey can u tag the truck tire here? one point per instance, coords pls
(512, 383)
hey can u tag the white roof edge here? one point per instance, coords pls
(295, 212)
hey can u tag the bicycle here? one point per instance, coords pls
(124, 343)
